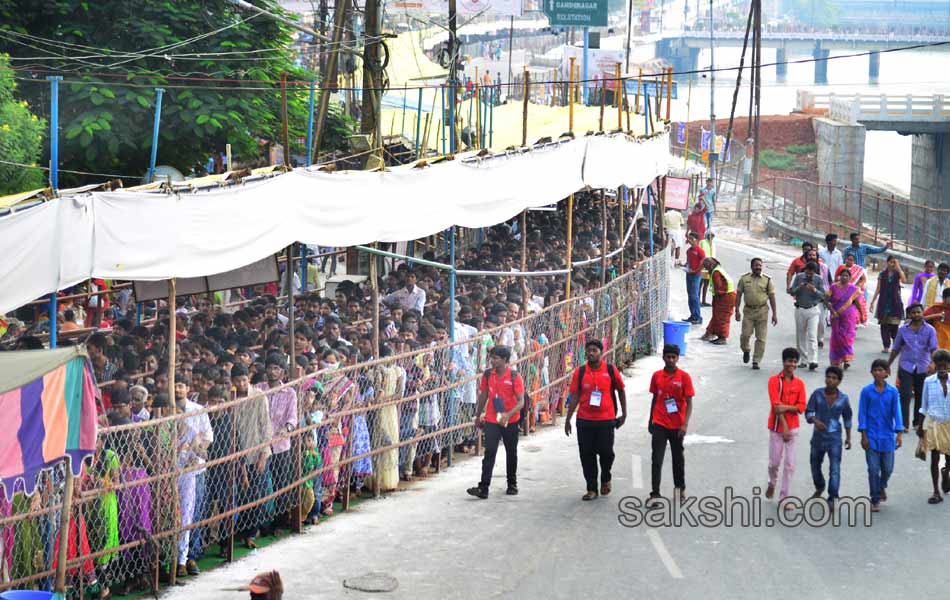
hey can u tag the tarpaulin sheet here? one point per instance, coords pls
(152, 236)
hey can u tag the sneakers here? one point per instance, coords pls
(478, 491)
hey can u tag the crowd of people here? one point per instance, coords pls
(355, 416)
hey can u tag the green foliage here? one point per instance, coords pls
(779, 161)
(21, 138)
(802, 148)
(107, 101)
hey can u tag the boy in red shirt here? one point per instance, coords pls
(592, 395)
(694, 272)
(500, 400)
(788, 399)
(672, 390)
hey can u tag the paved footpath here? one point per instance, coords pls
(545, 543)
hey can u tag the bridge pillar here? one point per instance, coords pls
(930, 182)
(781, 64)
(874, 67)
(840, 158)
(821, 65)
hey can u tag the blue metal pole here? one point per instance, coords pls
(313, 85)
(646, 114)
(584, 68)
(418, 121)
(54, 184)
(452, 284)
(54, 131)
(650, 211)
(155, 126)
(138, 313)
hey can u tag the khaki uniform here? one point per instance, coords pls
(756, 292)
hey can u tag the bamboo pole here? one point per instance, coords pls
(689, 96)
(603, 247)
(669, 90)
(626, 107)
(570, 97)
(524, 263)
(621, 200)
(618, 97)
(425, 136)
(478, 116)
(172, 351)
(603, 103)
(636, 99)
(524, 114)
(570, 244)
(64, 518)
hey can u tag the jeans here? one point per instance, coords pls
(709, 214)
(777, 448)
(692, 292)
(818, 451)
(495, 433)
(910, 383)
(880, 467)
(593, 441)
(196, 549)
(806, 333)
(662, 435)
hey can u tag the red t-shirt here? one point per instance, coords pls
(507, 387)
(679, 387)
(786, 392)
(596, 379)
(694, 259)
(696, 221)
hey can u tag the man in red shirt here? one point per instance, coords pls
(672, 390)
(696, 220)
(500, 399)
(798, 265)
(694, 272)
(788, 400)
(592, 391)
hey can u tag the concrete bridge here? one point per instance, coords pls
(682, 48)
(840, 136)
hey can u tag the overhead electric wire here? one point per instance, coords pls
(306, 82)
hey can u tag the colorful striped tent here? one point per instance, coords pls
(47, 410)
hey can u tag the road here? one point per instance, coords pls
(545, 543)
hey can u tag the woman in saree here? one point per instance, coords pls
(859, 279)
(843, 308)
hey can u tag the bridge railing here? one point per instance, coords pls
(884, 107)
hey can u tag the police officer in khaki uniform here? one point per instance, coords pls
(757, 290)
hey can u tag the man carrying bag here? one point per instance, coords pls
(594, 392)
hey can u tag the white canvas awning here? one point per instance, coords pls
(152, 236)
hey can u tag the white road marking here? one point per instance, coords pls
(664, 554)
(637, 472)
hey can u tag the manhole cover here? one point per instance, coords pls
(372, 582)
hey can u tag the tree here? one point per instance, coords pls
(218, 65)
(21, 138)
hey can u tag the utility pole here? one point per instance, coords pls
(372, 75)
(328, 75)
(453, 73)
(629, 33)
(757, 67)
(712, 95)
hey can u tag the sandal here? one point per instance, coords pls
(935, 499)
(590, 495)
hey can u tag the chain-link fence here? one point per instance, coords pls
(193, 480)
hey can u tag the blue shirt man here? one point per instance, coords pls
(881, 427)
(826, 408)
(861, 251)
(709, 198)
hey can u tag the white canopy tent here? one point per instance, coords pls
(154, 236)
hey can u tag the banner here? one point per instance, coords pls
(681, 133)
(705, 139)
(677, 192)
(464, 8)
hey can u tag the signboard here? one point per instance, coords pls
(468, 8)
(576, 13)
(649, 88)
(677, 192)
(704, 139)
(681, 133)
